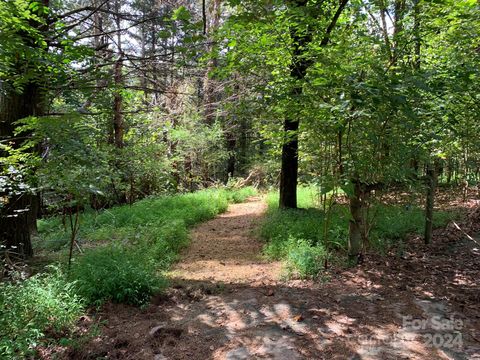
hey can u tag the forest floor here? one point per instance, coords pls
(227, 302)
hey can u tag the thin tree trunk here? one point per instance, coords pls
(357, 225)
(431, 177)
(232, 158)
(118, 123)
(209, 91)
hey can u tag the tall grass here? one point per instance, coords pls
(153, 218)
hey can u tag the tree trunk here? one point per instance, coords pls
(298, 70)
(431, 178)
(15, 226)
(209, 91)
(289, 173)
(18, 216)
(357, 226)
(232, 158)
(118, 124)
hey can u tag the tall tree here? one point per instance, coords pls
(301, 35)
(22, 94)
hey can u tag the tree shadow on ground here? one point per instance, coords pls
(387, 308)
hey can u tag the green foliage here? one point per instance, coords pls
(240, 195)
(35, 309)
(112, 273)
(74, 168)
(165, 218)
(142, 240)
(304, 260)
(165, 243)
(281, 225)
(24, 53)
(393, 223)
(286, 230)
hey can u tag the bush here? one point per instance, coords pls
(392, 224)
(280, 225)
(165, 243)
(240, 195)
(116, 274)
(304, 260)
(41, 306)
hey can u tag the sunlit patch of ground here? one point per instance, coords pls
(226, 302)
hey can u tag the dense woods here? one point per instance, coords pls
(158, 114)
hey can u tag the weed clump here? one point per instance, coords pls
(112, 273)
(34, 310)
(302, 240)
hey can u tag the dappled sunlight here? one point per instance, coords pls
(225, 250)
(230, 304)
(248, 321)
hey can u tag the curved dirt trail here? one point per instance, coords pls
(226, 303)
(225, 249)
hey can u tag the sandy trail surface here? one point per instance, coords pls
(227, 302)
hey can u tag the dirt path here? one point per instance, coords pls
(226, 250)
(227, 303)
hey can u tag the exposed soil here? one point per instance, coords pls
(227, 303)
(226, 250)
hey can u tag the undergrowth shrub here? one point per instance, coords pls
(304, 260)
(394, 223)
(391, 225)
(133, 244)
(165, 243)
(35, 309)
(121, 275)
(240, 195)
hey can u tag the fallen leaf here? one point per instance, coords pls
(269, 292)
(298, 318)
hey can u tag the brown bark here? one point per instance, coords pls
(118, 123)
(209, 91)
(19, 215)
(358, 222)
(298, 70)
(431, 177)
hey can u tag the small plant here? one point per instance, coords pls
(33, 310)
(238, 195)
(304, 260)
(116, 274)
